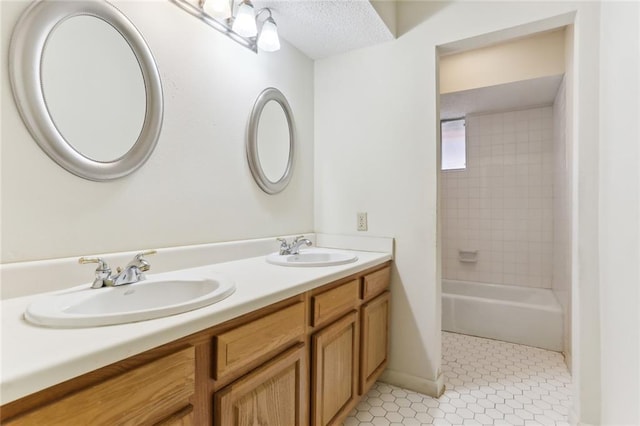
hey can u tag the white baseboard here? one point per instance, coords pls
(574, 421)
(433, 388)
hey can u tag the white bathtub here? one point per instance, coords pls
(529, 316)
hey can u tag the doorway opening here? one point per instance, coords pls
(505, 217)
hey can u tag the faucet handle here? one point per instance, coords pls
(284, 246)
(145, 253)
(103, 272)
(102, 264)
(144, 264)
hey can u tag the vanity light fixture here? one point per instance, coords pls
(238, 20)
(244, 22)
(268, 39)
(217, 8)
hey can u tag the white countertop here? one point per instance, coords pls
(35, 358)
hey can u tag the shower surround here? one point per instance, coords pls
(502, 204)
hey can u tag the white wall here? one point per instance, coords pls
(620, 212)
(376, 135)
(372, 158)
(196, 187)
(501, 205)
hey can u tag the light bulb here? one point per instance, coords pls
(268, 40)
(217, 8)
(245, 20)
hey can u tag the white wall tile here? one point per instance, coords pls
(502, 204)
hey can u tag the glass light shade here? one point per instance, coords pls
(217, 8)
(245, 20)
(268, 40)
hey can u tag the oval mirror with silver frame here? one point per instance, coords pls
(64, 118)
(271, 141)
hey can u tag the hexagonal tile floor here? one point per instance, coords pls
(488, 382)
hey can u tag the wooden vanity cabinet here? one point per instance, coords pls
(303, 361)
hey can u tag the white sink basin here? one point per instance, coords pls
(148, 299)
(313, 257)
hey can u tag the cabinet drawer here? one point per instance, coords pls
(145, 395)
(241, 346)
(335, 302)
(375, 283)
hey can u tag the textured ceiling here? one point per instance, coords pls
(322, 28)
(503, 97)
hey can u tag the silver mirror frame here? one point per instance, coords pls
(267, 185)
(26, 50)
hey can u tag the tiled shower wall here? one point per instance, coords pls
(502, 204)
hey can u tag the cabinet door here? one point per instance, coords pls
(374, 340)
(274, 394)
(334, 370)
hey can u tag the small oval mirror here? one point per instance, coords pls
(271, 141)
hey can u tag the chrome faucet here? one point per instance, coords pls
(294, 247)
(132, 273)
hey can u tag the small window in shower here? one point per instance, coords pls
(453, 144)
